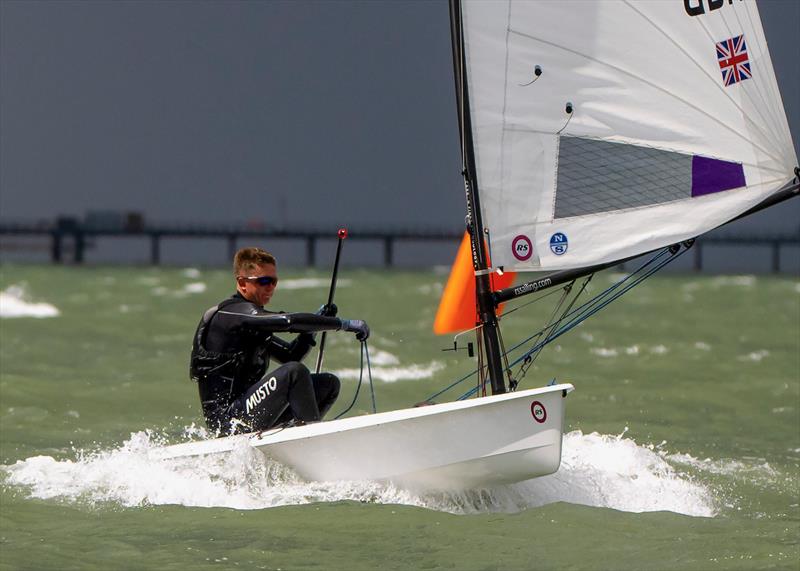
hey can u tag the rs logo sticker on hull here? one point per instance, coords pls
(538, 412)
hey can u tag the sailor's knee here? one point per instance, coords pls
(329, 383)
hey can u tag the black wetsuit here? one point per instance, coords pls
(232, 348)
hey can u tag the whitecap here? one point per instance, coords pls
(736, 281)
(15, 302)
(755, 356)
(379, 357)
(604, 352)
(195, 287)
(389, 374)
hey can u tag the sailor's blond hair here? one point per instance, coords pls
(247, 260)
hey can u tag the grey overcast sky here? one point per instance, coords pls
(298, 113)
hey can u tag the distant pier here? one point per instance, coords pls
(71, 239)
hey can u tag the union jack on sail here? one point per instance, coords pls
(733, 60)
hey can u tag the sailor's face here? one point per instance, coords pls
(258, 287)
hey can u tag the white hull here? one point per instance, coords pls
(452, 446)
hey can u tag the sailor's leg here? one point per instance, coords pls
(326, 390)
(286, 390)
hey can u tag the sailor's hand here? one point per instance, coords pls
(328, 310)
(357, 326)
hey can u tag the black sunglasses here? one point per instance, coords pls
(261, 280)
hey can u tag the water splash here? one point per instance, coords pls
(15, 302)
(597, 470)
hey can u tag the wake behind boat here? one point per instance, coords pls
(453, 446)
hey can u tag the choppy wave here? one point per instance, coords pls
(15, 302)
(596, 470)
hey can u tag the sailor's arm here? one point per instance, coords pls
(300, 323)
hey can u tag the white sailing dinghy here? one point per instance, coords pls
(592, 132)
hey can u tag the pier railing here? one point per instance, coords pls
(76, 239)
(79, 237)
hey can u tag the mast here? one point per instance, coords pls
(486, 303)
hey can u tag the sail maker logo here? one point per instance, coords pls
(559, 243)
(733, 60)
(261, 393)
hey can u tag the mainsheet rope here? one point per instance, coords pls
(364, 351)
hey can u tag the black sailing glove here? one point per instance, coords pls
(328, 310)
(357, 326)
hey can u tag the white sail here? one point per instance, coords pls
(677, 124)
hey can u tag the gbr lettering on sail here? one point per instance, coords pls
(700, 7)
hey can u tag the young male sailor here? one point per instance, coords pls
(235, 341)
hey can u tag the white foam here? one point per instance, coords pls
(379, 357)
(597, 470)
(390, 374)
(604, 352)
(737, 281)
(15, 302)
(195, 287)
(755, 356)
(188, 289)
(192, 273)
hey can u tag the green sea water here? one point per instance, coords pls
(682, 445)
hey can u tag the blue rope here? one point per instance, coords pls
(599, 306)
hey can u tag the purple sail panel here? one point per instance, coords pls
(713, 175)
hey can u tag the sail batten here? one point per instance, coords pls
(647, 126)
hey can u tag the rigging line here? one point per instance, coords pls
(358, 388)
(600, 305)
(481, 367)
(524, 305)
(580, 318)
(528, 361)
(614, 286)
(565, 293)
(715, 80)
(517, 346)
(369, 374)
(653, 85)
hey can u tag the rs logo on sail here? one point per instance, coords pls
(521, 247)
(261, 393)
